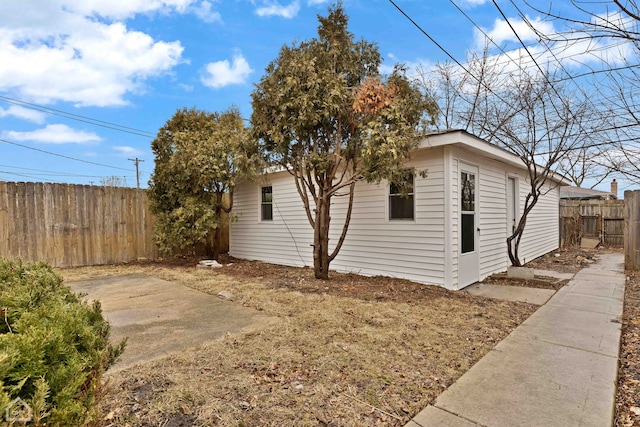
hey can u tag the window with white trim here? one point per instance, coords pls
(266, 204)
(401, 199)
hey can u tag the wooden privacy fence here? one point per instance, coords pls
(594, 219)
(71, 225)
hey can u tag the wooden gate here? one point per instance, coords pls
(595, 219)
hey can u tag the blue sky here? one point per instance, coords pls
(133, 63)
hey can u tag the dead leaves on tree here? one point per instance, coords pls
(374, 95)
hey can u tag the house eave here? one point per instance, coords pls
(479, 146)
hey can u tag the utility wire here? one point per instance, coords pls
(28, 176)
(427, 35)
(484, 84)
(42, 172)
(77, 117)
(63, 156)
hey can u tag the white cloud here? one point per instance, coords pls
(272, 8)
(501, 32)
(222, 73)
(557, 55)
(59, 51)
(54, 134)
(125, 151)
(473, 3)
(205, 12)
(123, 9)
(316, 2)
(23, 113)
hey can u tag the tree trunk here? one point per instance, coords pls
(513, 241)
(217, 233)
(513, 247)
(321, 237)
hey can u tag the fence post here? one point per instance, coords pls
(632, 230)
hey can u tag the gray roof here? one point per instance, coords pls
(577, 193)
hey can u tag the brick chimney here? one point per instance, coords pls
(614, 188)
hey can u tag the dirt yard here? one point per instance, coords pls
(349, 351)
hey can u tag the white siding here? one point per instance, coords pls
(425, 249)
(542, 230)
(374, 244)
(286, 239)
(408, 249)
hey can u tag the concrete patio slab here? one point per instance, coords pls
(511, 293)
(160, 317)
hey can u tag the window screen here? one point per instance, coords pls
(267, 204)
(401, 204)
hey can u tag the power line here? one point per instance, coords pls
(42, 172)
(78, 117)
(63, 156)
(426, 34)
(28, 176)
(598, 131)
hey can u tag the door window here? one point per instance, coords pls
(468, 211)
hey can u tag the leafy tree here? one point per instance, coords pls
(324, 114)
(199, 157)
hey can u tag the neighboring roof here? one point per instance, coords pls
(577, 193)
(479, 145)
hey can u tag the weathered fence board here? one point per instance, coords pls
(72, 225)
(597, 219)
(632, 230)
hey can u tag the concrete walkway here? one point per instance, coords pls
(558, 368)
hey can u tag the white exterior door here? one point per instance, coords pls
(512, 205)
(469, 266)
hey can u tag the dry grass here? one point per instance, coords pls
(336, 355)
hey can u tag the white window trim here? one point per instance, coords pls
(260, 219)
(387, 204)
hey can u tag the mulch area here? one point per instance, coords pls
(628, 394)
(377, 288)
(566, 260)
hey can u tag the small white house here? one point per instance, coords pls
(451, 231)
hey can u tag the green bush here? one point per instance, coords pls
(54, 347)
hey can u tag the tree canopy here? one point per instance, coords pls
(199, 157)
(323, 112)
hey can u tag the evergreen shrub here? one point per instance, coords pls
(54, 347)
